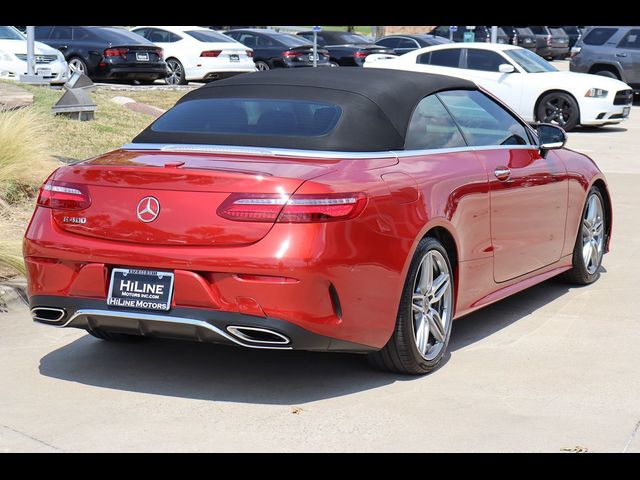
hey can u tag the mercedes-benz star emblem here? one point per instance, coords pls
(148, 209)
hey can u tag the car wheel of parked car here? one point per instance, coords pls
(333, 63)
(115, 337)
(76, 64)
(607, 73)
(559, 108)
(423, 325)
(262, 66)
(590, 242)
(175, 72)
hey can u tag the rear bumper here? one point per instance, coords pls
(131, 72)
(552, 51)
(187, 324)
(298, 274)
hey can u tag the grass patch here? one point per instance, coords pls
(32, 139)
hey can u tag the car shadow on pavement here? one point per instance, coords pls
(489, 320)
(213, 372)
(221, 373)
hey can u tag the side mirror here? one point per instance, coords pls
(551, 136)
(506, 68)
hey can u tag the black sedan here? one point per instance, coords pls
(346, 49)
(106, 53)
(401, 44)
(272, 49)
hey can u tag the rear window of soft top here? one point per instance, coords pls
(250, 116)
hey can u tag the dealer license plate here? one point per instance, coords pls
(141, 289)
(234, 57)
(142, 57)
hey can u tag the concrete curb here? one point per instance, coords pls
(13, 294)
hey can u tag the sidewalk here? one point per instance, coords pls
(12, 97)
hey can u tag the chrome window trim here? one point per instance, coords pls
(166, 319)
(286, 152)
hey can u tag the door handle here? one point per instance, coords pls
(502, 173)
(621, 54)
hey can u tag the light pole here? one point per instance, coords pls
(31, 76)
(494, 34)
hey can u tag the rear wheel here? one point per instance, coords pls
(607, 73)
(76, 64)
(589, 247)
(175, 72)
(423, 324)
(262, 66)
(559, 108)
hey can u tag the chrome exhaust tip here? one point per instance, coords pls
(48, 314)
(256, 335)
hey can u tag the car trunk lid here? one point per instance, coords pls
(171, 198)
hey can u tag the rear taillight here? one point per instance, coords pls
(160, 52)
(300, 208)
(361, 55)
(249, 53)
(211, 53)
(291, 54)
(64, 196)
(116, 52)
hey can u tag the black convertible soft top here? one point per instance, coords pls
(376, 104)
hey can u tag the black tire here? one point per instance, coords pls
(262, 66)
(607, 73)
(175, 72)
(401, 354)
(334, 63)
(115, 337)
(147, 81)
(559, 108)
(579, 275)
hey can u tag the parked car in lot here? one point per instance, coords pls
(551, 43)
(573, 32)
(50, 63)
(278, 50)
(611, 52)
(345, 49)
(401, 44)
(526, 82)
(520, 36)
(105, 53)
(481, 34)
(198, 54)
(316, 209)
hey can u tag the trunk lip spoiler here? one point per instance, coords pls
(260, 151)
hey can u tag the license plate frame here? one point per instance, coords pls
(234, 57)
(44, 72)
(142, 56)
(142, 291)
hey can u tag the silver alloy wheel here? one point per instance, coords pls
(76, 65)
(593, 234)
(431, 304)
(174, 72)
(262, 66)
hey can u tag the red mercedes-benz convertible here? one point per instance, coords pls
(357, 210)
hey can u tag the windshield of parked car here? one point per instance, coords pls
(293, 40)
(10, 33)
(116, 35)
(340, 38)
(208, 36)
(529, 61)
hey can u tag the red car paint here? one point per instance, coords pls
(508, 235)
